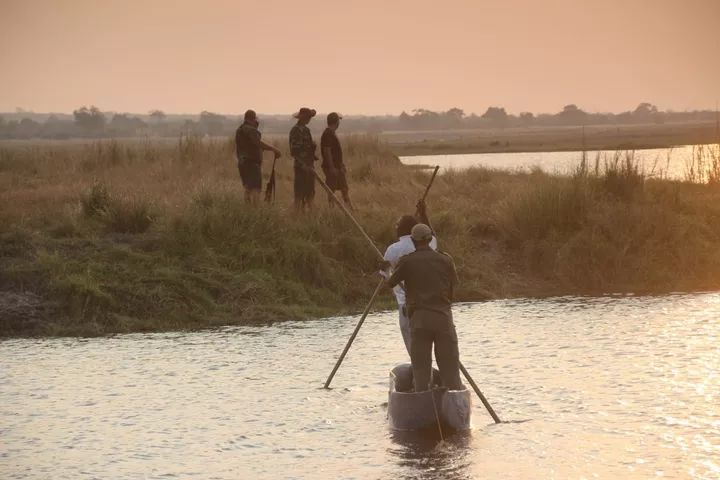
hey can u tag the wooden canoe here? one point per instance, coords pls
(408, 410)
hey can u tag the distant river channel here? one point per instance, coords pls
(610, 387)
(658, 162)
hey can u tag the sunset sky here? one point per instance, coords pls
(370, 57)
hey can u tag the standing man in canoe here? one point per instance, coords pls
(249, 151)
(430, 280)
(397, 250)
(302, 148)
(332, 160)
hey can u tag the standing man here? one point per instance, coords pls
(249, 150)
(332, 160)
(430, 279)
(397, 250)
(302, 148)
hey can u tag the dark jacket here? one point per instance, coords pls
(429, 280)
(247, 144)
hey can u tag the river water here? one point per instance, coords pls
(657, 162)
(614, 387)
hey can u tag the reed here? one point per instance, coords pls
(150, 235)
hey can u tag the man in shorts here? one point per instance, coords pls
(249, 150)
(302, 148)
(332, 160)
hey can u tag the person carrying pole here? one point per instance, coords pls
(429, 278)
(403, 246)
(332, 160)
(302, 148)
(249, 151)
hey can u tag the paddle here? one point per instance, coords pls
(355, 332)
(347, 212)
(479, 393)
(427, 189)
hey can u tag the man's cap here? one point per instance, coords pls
(421, 232)
(333, 118)
(305, 112)
(250, 115)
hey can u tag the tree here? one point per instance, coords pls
(123, 123)
(527, 118)
(645, 110)
(211, 122)
(28, 128)
(495, 115)
(157, 115)
(90, 119)
(572, 115)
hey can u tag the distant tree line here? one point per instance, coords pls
(91, 122)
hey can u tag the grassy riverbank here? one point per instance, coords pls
(144, 236)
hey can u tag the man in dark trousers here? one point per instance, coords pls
(332, 159)
(302, 148)
(249, 150)
(430, 279)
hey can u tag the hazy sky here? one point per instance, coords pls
(365, 56)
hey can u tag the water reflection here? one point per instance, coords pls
(616, 387)
(424, 455)
(657, 162)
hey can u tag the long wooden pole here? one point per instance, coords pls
(354, 334)
(347, 212)
(479, 393)
(432, 179)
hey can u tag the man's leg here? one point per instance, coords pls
(405, 327)
(448, 358)
(421, 357)
(297, 188)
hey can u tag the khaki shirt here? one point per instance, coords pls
(430, 280)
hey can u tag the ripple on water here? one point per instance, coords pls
(615, 387)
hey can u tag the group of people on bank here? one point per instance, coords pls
(422, 278)
(249, 149)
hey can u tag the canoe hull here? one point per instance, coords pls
(415, 411)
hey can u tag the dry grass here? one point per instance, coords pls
(129, 236)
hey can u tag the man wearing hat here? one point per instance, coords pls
(332, 159)
(249, 150)
(302, 148)
(430, 279)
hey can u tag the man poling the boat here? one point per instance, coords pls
(429, 279)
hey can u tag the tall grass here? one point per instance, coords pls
(703, 166)
(154, 235)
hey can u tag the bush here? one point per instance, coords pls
(119, 215)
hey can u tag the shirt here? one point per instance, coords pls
(394, 252)
(330, 140)
(430, 279)
(247, 144)
(302, 147)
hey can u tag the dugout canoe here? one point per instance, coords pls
(408, 410)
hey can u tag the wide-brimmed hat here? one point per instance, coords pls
(305, 112)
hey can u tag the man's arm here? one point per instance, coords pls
(275, 150)
(296, 143)
(422, 214)
(328, 158)
(454, 280)
(398, 274)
